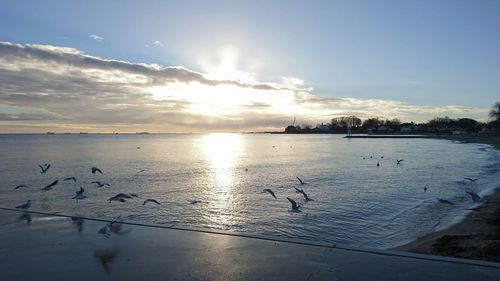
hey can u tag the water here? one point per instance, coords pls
(355, 202)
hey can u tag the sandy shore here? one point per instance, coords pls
(478, 235)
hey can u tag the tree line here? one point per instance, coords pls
(438, 125)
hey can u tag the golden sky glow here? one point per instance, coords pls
(50, 88)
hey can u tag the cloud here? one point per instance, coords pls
(96, 37)
(54, 88)
(155, 43)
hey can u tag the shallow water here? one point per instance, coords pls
(354, 203)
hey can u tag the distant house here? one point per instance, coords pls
(382, 128)
(406, 129)
(458, 132)
(323, 127)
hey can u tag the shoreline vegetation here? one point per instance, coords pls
(477, 236)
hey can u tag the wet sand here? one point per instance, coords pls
(48, 247)
(478, 235)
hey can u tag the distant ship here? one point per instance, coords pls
(51, 133)
(83, 133)
(142, 133)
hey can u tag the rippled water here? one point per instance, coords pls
(355, 202)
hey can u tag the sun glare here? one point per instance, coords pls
(225, 66)
(222, 151)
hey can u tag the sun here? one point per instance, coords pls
(225, 66)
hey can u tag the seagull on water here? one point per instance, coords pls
(470, 179)
(268, 190)
(445, 201)
(44, 168)
(70, 179)
(95, 169)
(49, 187)
(475, 197)
(24, 206)
(425, 188)
(194, 201)
(21, 185)
(295, 206)
(298, 190)
(151, 200)
(100, 183)
(378, 164)
(301, 182)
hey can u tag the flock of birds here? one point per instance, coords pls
(123, 197)
(295, 205)
(474, 196)
(80, 194)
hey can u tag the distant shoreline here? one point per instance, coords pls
(475, 237)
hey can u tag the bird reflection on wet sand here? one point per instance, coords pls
(25, 217)
(106, 256)
(78, 222)
(117, 228)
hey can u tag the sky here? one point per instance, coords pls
(198, 66)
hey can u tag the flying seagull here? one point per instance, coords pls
(116, 199)
(445, 201)
(123, 195)
(475, 197)
(70, 179)
(95, 169)
(24, 206)
(106, 230)
(21, 185)
(44, 168)
(80, 191)
(79, 194)
(139, 172)
(399, 161)
(298, 190)
(301, 182)
(268, 190)
(49, 187)
(120, 197)
(151, 200)
(471, 179)
(295, 206)
(100, 183)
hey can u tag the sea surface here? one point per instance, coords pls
(354, 201)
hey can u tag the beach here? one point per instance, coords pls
(478, 235)
(59, 247)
